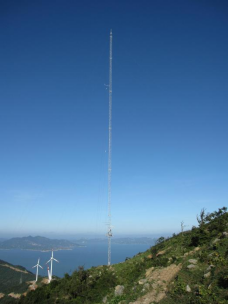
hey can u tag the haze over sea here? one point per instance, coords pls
(91, 255)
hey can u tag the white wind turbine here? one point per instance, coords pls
(37, 265)
(51, 260)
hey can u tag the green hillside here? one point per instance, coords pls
(191, 267)
(13, 279)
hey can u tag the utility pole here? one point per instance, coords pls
(109, 234)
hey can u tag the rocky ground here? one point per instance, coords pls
(157, 280)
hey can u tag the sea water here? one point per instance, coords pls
(70, 260)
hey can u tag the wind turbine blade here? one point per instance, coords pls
(48, 261)
(56, 260)
(40, 266)
(34, 266)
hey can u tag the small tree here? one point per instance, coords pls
(160, 240)
(201, 219)
(182, 227)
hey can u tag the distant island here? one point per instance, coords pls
(37, 243)
(123, 240)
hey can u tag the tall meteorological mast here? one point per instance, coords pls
(109, 234)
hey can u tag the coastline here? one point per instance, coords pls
(42, 250)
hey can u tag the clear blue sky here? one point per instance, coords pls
(169, 115)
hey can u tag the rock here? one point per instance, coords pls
(215, 241)
(193, 261)
(90, 276)
(225, 234)
(154, 285)
(191, 252)
(188, 289)
(150, 256)
(149, 271)
(105, 299)
(210, 255)
(191, 266)
(146, 286)
(210, 267)
(160, 253)
(119, 290)
(142, 281)
(206, 275)
(14, 295)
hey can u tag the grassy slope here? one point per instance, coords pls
(10, 280)
(97, 283)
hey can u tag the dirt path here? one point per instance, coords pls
(159, 279)
(13, 268)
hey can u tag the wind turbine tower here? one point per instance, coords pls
(51, 260)
(37, 265)
(109, 234)
(49, 276)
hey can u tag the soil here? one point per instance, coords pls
(14, 295)
(1, 295)
(159, 279)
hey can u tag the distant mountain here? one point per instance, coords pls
(124, 241)
(135, 240)
(37, 243)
